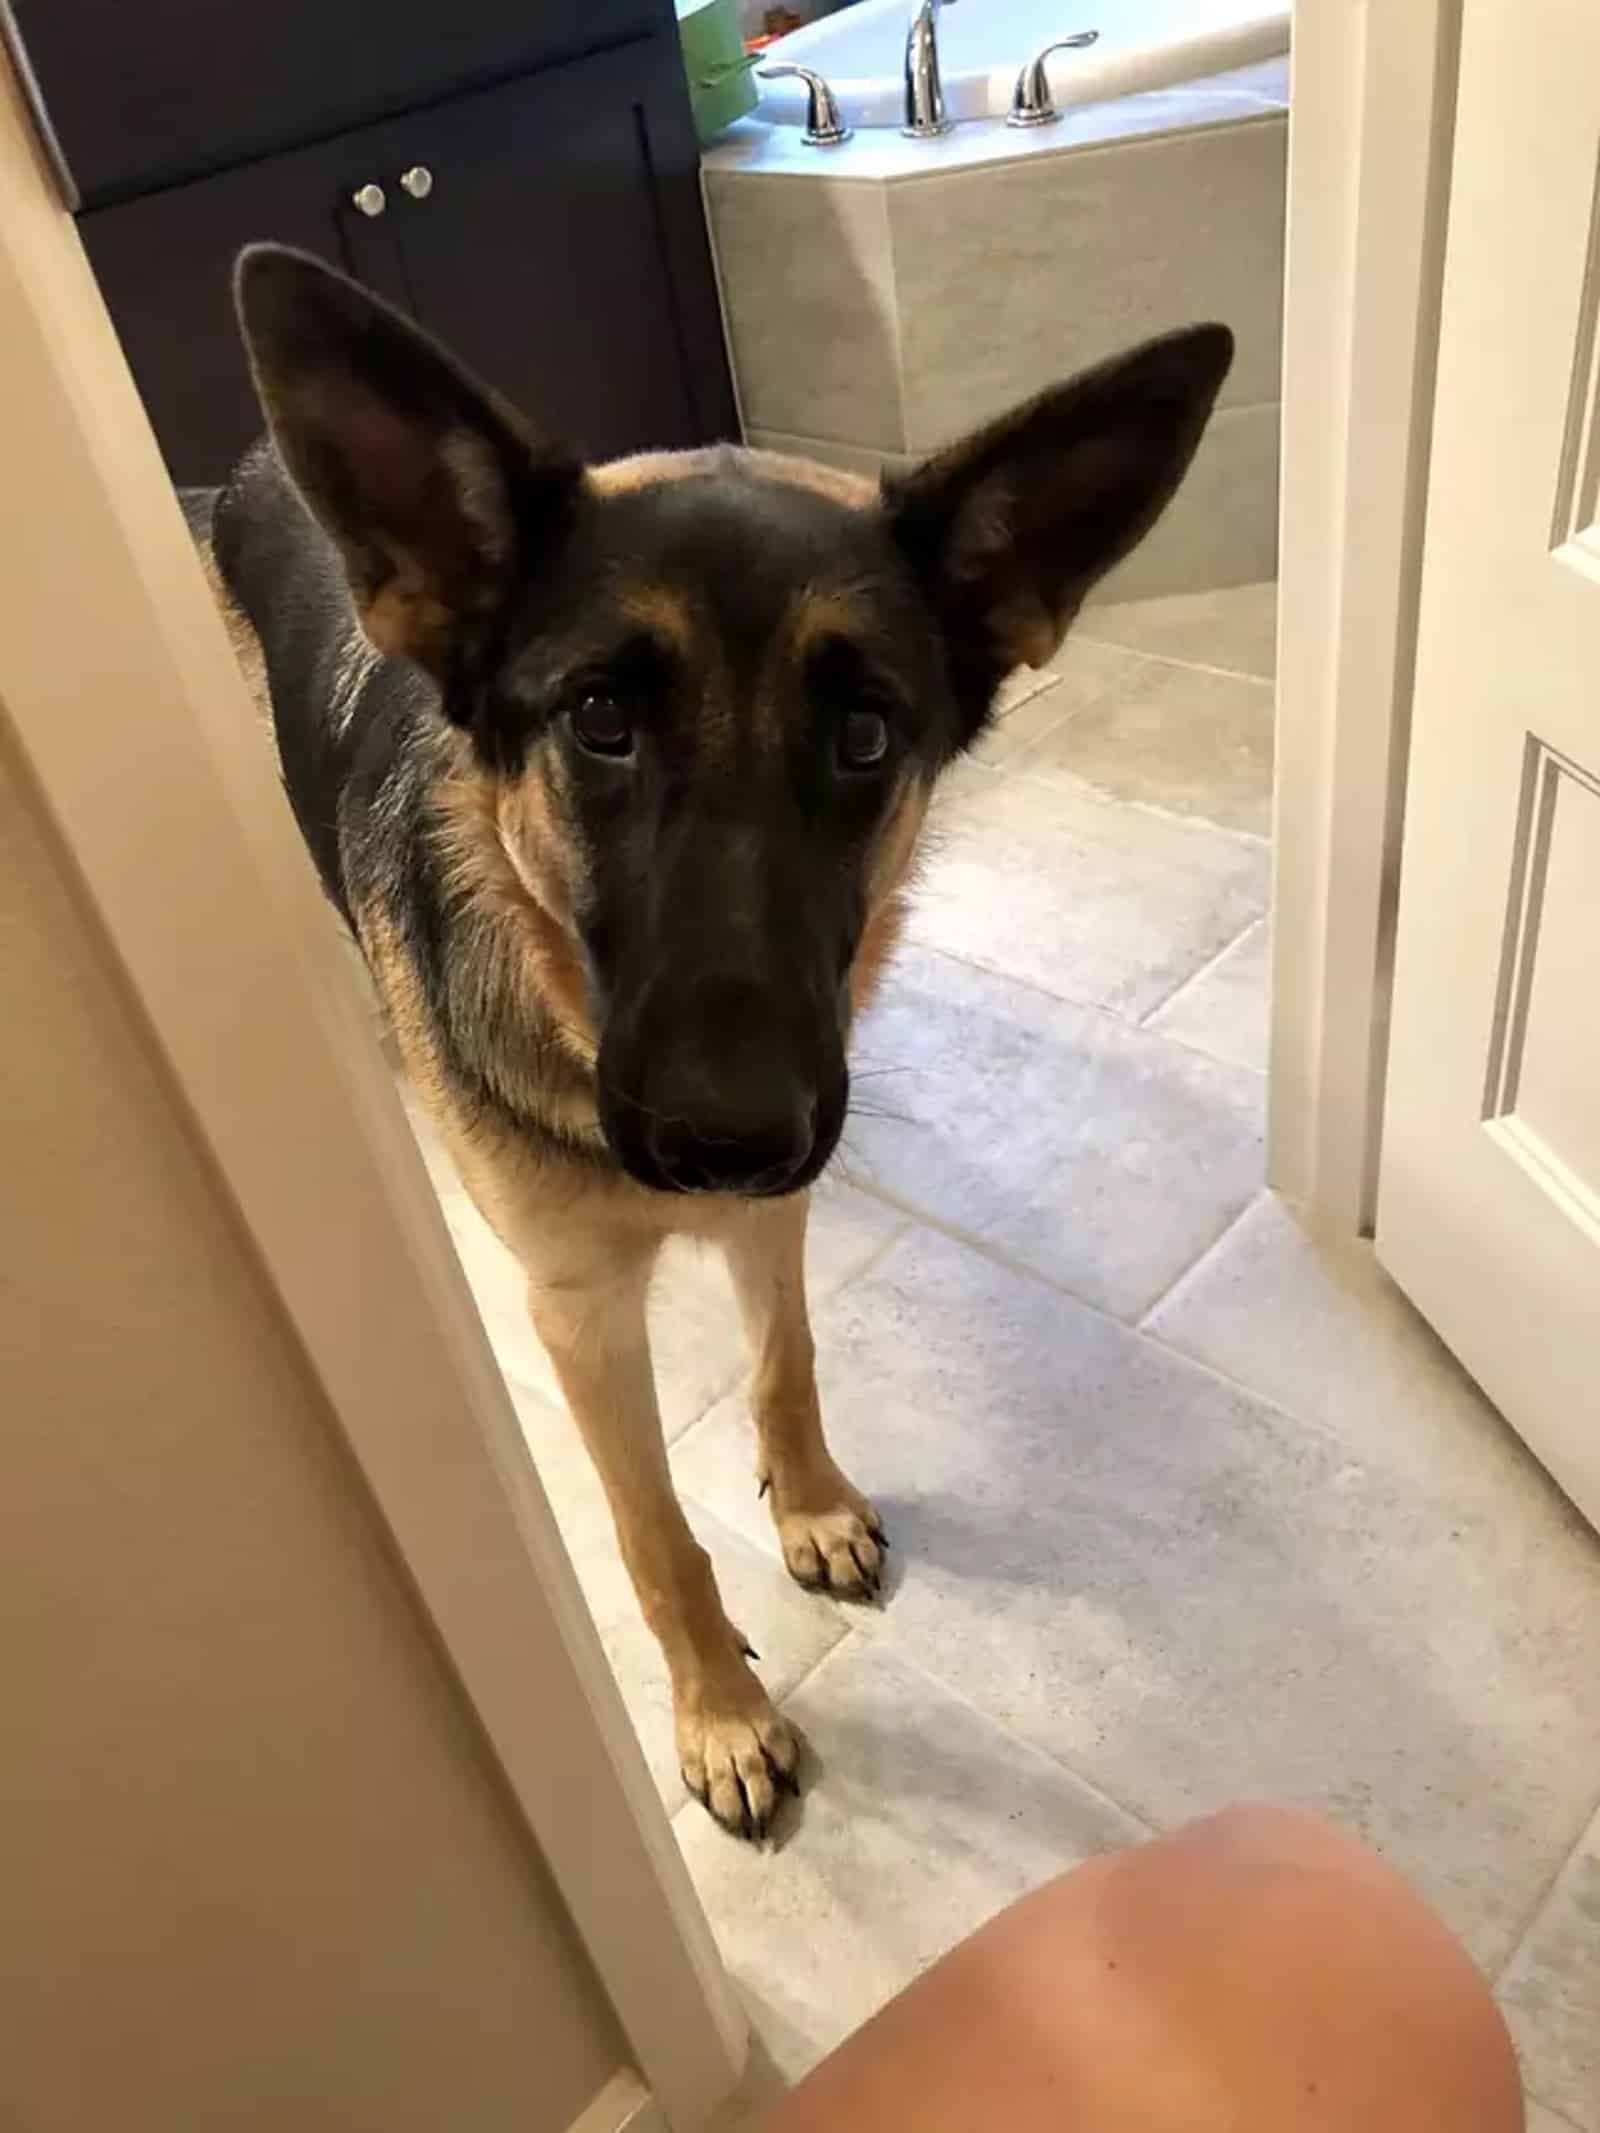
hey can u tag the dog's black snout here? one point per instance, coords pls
(722, 1084)
(756, 1155)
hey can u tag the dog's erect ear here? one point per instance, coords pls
(428, 485)
(1009, 529)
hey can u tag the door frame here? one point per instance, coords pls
(205, 900)
(1372, 111)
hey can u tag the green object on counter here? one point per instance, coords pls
(718, 66)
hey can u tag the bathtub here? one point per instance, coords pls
(1142, 45)
(886, 295)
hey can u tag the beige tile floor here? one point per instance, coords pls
(1187, 1506)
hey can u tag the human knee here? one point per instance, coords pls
(1261, 1829)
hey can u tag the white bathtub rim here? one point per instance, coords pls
(1077, 78)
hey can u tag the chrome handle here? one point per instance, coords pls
(824, 127)
(369, 200)
(417, 181)
(1031, 101)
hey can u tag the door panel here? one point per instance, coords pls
(561, 250)
(165, 267)
(1489, 1196)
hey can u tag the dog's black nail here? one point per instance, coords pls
(752, 1827)
(869, 1577)
(762, 1486)
(749, 1650)
(784, 1779)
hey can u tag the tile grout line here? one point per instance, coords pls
(1055, 782)
(857, 1272)
(1009, 1263)
(900, 1657)
(1194, 977)
(1082, 633)
(1012, 1263)
(1198, 1051)
(853, 1633)
(1562, 2120)
(1098, 1007)
(1537, 1910)
(924, 1219)
(741, 1374)
(746, 1544)
(725, 1388)
(896, 329)
(1178, 1280)
(1007, 765)
(881, 1249)
(1043, 992)
(1136, 1330)
(945, 821)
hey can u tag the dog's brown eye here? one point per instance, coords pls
(863, 740)
(600, 725)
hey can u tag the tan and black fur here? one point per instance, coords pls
(616, 774)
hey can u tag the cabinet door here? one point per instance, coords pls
(561, 250)
(156, 92)
(165, 268)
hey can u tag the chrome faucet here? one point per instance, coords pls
(925, 112)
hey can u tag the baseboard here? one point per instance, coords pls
(624, 2105)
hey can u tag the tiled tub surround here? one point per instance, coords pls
(885, 296)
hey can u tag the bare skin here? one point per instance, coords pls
(1259, 1972)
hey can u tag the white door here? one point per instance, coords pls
(1489, 1190)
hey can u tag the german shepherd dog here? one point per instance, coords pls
(616, 774)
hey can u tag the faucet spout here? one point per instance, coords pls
(925, 114)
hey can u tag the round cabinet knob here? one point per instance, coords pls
(418, 181)
(369, 200)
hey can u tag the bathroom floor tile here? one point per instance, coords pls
(1226, 1009)
(1188, 1596)
(789, 1628)
(1085, 897)
(1033, 702)
(1234, 629)
(1551, 1992)
(1104, 1157)
(1177, 738)
(920, 1821)
(1318, 1327)
(695, 1334)
(1540, 2120)
(1029, 704)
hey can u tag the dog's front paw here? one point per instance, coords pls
(839, 1551)
(739, 1755)
(832, 1537)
